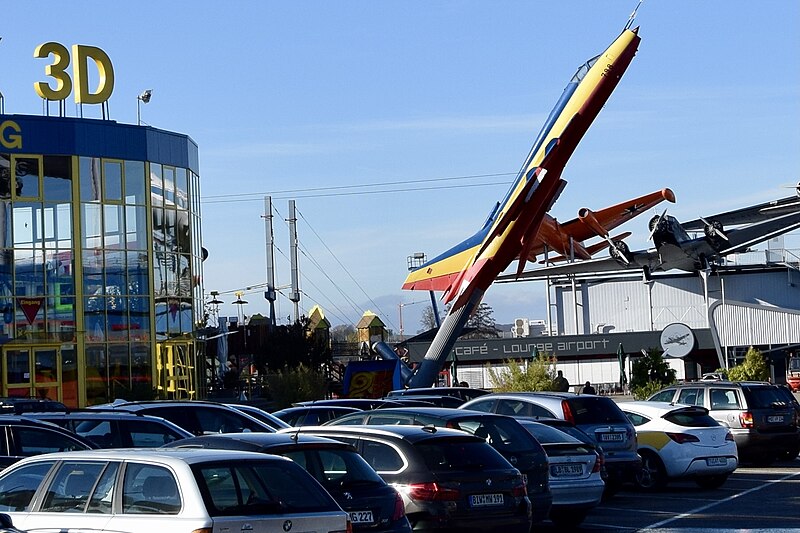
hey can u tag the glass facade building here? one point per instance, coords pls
(100, 261)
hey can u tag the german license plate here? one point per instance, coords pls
(566, 470)
(485, 500)
(775, 419)
(612, 437)
(361, 517)
(717, 461)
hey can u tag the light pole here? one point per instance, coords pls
(400, 307)
(142, 99)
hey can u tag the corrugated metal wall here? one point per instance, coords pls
(740, 324)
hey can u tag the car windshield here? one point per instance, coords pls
(447, 455)
(335, 469)
(546, 434)
(691, 418)
(504, 434)
(595, 410)
(259, 488)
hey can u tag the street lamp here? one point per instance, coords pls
(142, 99)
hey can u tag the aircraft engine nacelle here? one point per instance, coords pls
(587, 216)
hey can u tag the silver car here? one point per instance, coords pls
(176, 490)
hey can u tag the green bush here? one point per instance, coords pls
(643, 392)
(538, 375)
(753, 368)
(292, 385)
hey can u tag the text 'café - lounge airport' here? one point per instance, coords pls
(100, 250)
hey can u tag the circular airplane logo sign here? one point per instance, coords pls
(677, 340)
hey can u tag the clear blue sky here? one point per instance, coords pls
(287, 97)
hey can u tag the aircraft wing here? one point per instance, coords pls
(748, 215)
(742, 238)
(586, 225)
(649, 259)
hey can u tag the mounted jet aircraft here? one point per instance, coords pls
(676, 249)
(511, 230)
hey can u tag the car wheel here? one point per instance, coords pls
(789, 455)
(567, 520)
(763, 459)
(711, 482)
(652, 476)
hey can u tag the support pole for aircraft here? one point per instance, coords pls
(295, 295)
(387, 354)
(270, 293)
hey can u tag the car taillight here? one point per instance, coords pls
(598, 463)
(399, 508)
(746, 419)
(432, 492)
(519, 490)
(682, 438)
(729, 436)
(567, 412)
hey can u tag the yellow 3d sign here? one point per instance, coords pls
(81, 54)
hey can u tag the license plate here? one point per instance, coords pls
(717, 461)
(612, 437)
(361, 517)
(484, 500)
(566, 470)
(775, 419)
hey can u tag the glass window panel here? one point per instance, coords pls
(92, 272)
(136, 227)
(172, 274)
(29, 272)
(6, 319)
(61, 317)
(64, 225)
(96, 374)
(134, 182)
(156, 185)
(169, 186)
(5, 176)
(91, 225)
(160, 273)
(18, 366)
(116, 282)
(117, 314)
(95, 318)
(18, 487)
(139, 316)
(181, 188)
(57, 178)
(90, 179)
(113, 226)
(69, 376)
(183, 231)
(5, 224)
(27, 177)
(184, 272)
(170, 223)
(137, 273)
(24, 224)
(149, 489)
(112, 173)
(119, 370)
(158, 229)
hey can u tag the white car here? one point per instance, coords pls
(681, 441)
(176, 490)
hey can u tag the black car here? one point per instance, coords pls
(503, 433)
(18, 406)
(373, 505)
(116, 429)
(312, 415)
(356, 403)
(449, 480)
(260, 414)
(195, 416)
(23, 437)
(465, 393)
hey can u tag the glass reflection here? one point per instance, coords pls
(92, 225)
(57, 179)
(112, 172)
(134, 182)
(96, 374)
(90, 179)
(26, 171)
(137, 273)
(136, 227)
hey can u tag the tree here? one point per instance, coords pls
(428, 320)
(650, 373)
(483, 323)
(753, 368)
(538, 375)
(344, 333)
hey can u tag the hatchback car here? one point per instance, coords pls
(575, 474)
(195, 416)
(312, 415)
(22, 437)
(597, 416)
(762, 423)
(259, 414)
(679, 442)
(449, 480)
(116, 429)
(373, 505)
(503, 433)
(172, 490)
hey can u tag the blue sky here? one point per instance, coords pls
(293, 98)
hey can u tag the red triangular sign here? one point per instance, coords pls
(30, 307)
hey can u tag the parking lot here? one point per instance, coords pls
(753, 499)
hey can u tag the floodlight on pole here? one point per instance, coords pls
(142, 99)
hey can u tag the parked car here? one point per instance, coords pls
(312, 415)
(681, 442)
(575, 474)
(116, 429)
(503, 433)
(597, 416)
(259, 414)
(356, 403)
(465, 393)
(570, 429)
(22, 437)
(166, 490)
(195, 416)
(763, 424)
(18, 406)
(449, 480)
(786, 392)
(373, 505)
